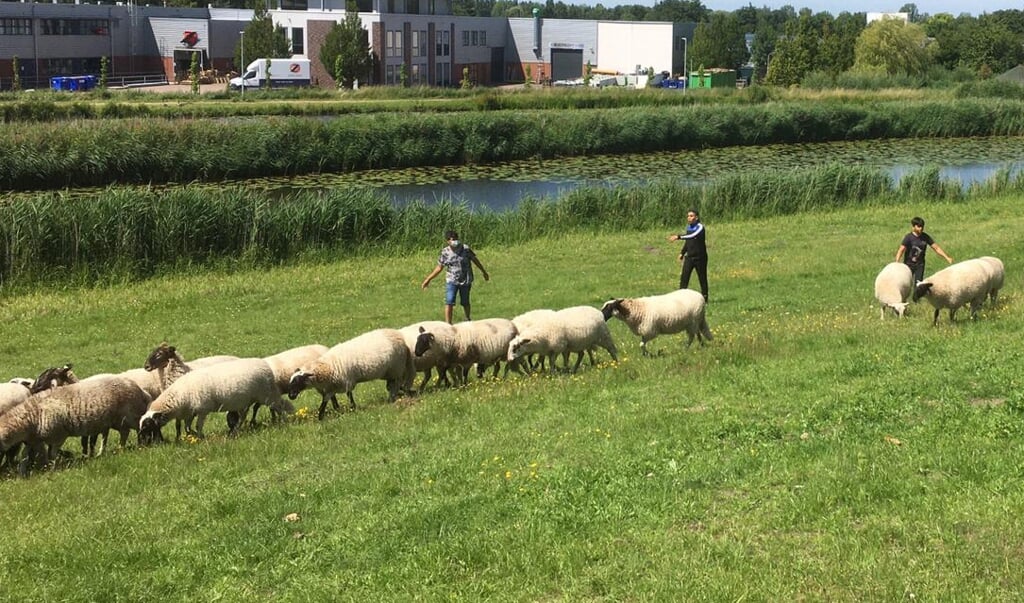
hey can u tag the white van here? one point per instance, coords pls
(283, 73)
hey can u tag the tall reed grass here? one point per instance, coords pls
(84, 153)
(127, 233)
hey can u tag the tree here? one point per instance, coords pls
(911, 9)
(838, 38)
(893, 47)
(720, 42)
(794, 55)
(678, 11)
(104, 71)
(348, 42)
(16, 78)
(263, 40)
(193, 73)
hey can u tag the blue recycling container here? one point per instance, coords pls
(71, 83)
(56, 83)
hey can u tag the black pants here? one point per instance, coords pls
(700, 264)
(918, 271)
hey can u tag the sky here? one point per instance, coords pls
(931, 7)
(954, 7)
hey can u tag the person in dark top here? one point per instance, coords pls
(914, 245)
(694, 253)
(457, 260)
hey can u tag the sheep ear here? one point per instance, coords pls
(422, 330)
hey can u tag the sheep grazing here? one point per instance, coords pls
(19, 390)
(84, 409)
(164, 365)
(997, 277)
(648, 317)
(483, 343)
(893, 287)
(230, 387)
(379, 354)
(967, 282)
(433, 344)
(577, 329)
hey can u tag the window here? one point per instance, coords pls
(389, 77)
(398, 43)
(483, 38)
(391, 6)
(389, 43)
(447, 47)
(443, 46)
(414, 77)
(75, 27)
(423, 43)
(431, 7)
(415, 43)
(294, 5)
(443, 75)
(15, 27)
(475, 35)
(298, 43)
(465, 38)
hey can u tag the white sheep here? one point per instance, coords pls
(42, 386)
(648, 317)
(433, 345)
(966, 282)
(483, 343)
(893, 287)
(997, 277)
(525, 322)
(230, 387)
(87, 408)
(577, 329)
(379, 354)
(13, 393)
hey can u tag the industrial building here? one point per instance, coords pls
(435, 47)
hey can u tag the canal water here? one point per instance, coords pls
(503, 186)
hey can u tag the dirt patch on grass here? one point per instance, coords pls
(987, 402)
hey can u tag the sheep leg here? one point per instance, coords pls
(579, 361)
(334, 401)
(177, 430)
(323, 405)
(643, 346)
(233, 420)
(103, 445)
(426, 378)
(87, 446)
(351, 400)
(200, 420)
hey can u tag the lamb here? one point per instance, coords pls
(481, 342)
(576, 329)
(648, 317)
(433, 344)
(379, 354)
(954, 286)
(998, 275)
(893, 287)
(84, 409)
(227, 387)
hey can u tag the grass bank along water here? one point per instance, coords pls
(98, 153)
(811, 451)
(124, 233)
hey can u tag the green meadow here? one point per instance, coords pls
(810, 452)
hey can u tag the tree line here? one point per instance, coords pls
(787, 45)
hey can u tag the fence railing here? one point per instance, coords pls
(135, 80)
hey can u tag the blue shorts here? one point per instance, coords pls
(450, 289)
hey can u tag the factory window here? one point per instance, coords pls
(298, 41)
(15, 27)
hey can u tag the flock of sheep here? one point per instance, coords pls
(963, 283)
(41, 414)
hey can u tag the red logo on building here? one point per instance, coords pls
(294, 68)
(190, 39)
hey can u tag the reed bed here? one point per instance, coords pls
(129, 233)
(85, 153)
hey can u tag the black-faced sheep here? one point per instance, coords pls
(433, 345)
(966, 282)
(675, 312)
(379, 354)
(230, 387)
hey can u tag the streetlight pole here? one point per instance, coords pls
(768, 67)
(686, 69)
(242, 70)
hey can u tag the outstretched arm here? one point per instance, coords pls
(437, 270)
(939, 251)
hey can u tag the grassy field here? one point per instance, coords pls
(811, 451)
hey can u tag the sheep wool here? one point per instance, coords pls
(224, 387)
(893, 287)
(997, 277)
(433, 345)
(483, 343)
(577, 329)
(380, 354)
(966, 282)
(675, 312)
(284, 364)
(12, 394)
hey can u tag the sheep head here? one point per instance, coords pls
(423, 342)
(150, 426)
(301, 380)
(519, 347)
(899, 309)
(53, 377)
(613, 307)
(922, 289)
(160, 357)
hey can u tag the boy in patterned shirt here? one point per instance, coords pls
(457, 259)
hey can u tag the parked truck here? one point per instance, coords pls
(283, 73)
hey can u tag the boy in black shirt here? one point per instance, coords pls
(694, 253)
(914, 245)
